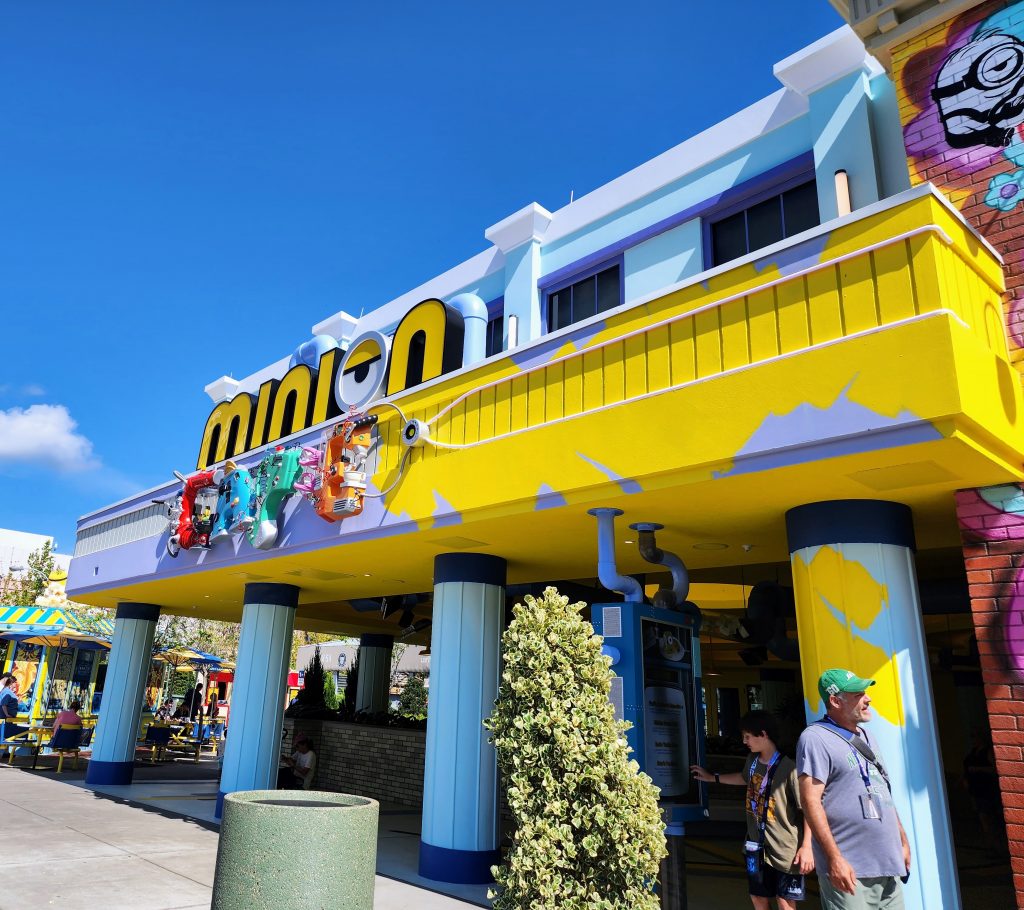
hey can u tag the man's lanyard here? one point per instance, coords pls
(865, 768)
(765, 783)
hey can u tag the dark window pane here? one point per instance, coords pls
(764, 223)
(800, 205)
(495, 329)
(559, 309)
(608, 289)
(584, 298)
(729, 238)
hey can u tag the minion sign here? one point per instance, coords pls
(427, 343)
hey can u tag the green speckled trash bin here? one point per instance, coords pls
(296, 850)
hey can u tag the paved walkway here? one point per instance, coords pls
(68, 847)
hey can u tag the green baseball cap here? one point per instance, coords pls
(837, 680)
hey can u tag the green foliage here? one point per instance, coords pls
(183, 682)
(312, 692)
(21, 589)
(413, 700)
(330, 690)
(589, 834)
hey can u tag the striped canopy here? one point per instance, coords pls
(49, 620)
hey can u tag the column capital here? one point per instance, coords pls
(376, 640)
(278, 595)
(850, 521)
(133, 610)
(482, 568)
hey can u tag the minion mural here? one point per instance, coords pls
(778, 344)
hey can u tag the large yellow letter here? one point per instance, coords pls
(227, 430)
(292, 399)
(427, 344)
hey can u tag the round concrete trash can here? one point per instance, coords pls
(296, 850)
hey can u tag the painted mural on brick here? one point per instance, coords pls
(962, 104)
(995, 516)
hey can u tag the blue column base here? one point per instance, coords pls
(218, 810)
(116, 773)
(457, 867)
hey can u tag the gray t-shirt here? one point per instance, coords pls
(872, 846)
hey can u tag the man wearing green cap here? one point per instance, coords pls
(860, 849)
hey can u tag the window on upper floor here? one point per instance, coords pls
(584, 297)
(495, 335)
(764, 223)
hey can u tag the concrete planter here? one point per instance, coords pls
(294, 849)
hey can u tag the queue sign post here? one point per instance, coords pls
(655, 656)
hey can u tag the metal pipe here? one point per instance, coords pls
(650, 551)
(474, 316)
(607, 572)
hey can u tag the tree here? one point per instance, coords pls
(413, 700)
(330, 692)
(589, 833)
(22, 589)
(351, 688)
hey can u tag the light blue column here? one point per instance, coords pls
(857, 608)
(113, 755)
(522, 299)
(261, 679)
(374, 673)
(840, 118)
(459, 838)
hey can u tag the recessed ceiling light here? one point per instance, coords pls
(627, 541)
(367, 575)
(711, 546)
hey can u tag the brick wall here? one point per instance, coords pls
(985, 179)
(992, 529)
(382, 763)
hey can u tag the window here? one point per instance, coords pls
(495, 335)
(584, 298)
(764, 223)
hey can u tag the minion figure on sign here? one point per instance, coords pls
(190, 515)
(234, 503)
(343, 475)
(278, 476)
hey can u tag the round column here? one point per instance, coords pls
(261, 680)
(374, 685)
(459, 837)
(113, 754)
(857, 607)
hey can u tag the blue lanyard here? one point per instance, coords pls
(865, 768)
(763, 786)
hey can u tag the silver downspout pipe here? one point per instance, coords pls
(649, 550)
(607, 572)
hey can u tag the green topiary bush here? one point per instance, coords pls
(589, 832)
(413, 700)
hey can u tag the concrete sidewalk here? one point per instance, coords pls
(69, 847)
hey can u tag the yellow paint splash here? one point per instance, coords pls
(825, 641)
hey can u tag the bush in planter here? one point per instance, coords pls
(589, 832)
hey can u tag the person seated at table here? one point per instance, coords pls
(9, 706)
(68, 716)
(166, 711)
(302, 764)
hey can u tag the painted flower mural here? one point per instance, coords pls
(1005, 191)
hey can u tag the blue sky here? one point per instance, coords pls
(186, 188)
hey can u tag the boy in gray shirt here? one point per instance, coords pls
(860, 848)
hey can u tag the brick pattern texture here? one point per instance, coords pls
(992, 532)
(382, 763)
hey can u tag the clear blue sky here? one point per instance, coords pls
(186, 188)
